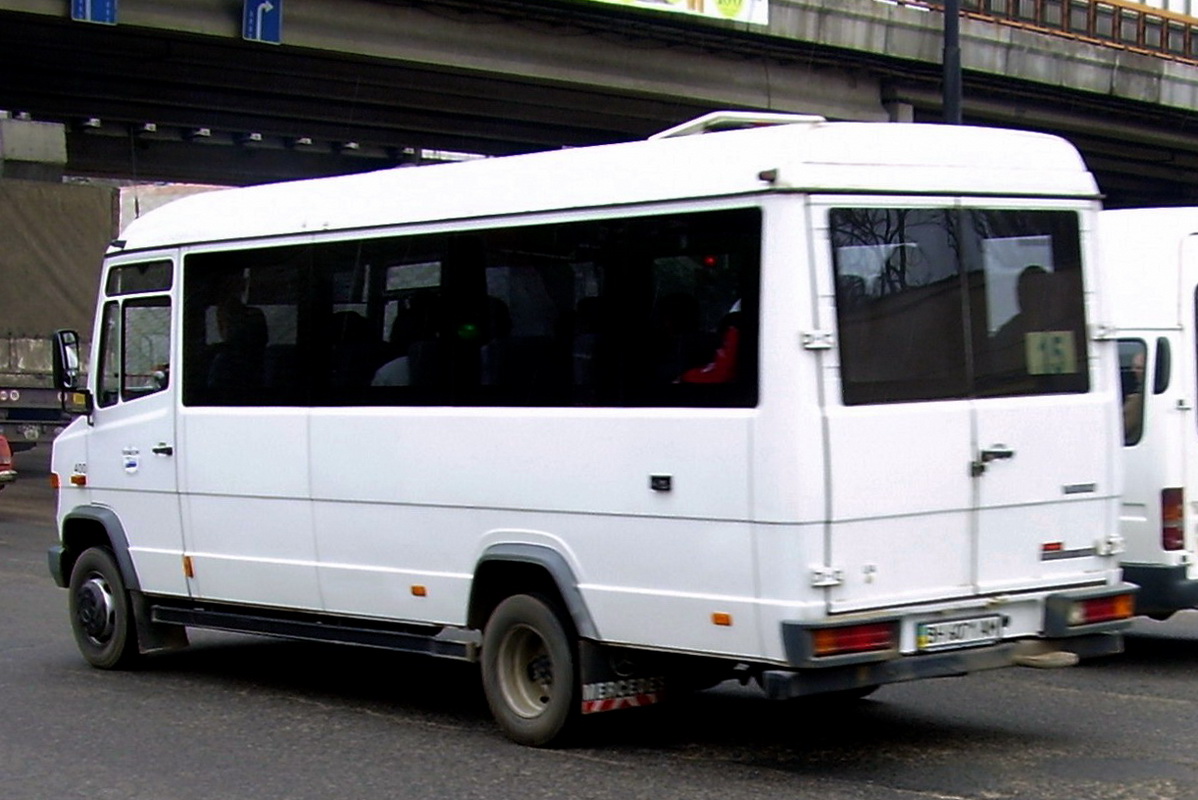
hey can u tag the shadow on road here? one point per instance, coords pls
(726, 724)
(1165, 647)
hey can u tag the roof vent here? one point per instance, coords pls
(718, 121)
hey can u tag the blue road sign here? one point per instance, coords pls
(262, 21)
(102, 11)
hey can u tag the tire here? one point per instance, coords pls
(530, 672)
(101, 616)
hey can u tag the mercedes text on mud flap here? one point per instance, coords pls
(767, 403)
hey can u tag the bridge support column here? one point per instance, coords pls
(32, 150)
(900, 111)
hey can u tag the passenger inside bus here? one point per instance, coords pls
(1032, 294)
(355, 350)
(723, 366)
(414, 343)
(237, 360)
(680, 344)
(1133, 399)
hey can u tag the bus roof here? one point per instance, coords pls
(806, 155)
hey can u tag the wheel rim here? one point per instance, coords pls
(525, 672)
(95, 609)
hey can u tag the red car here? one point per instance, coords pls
(7, 473)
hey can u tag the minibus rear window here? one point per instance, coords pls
(937, 303)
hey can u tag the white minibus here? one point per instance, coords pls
(1151, 260)
(818, 404)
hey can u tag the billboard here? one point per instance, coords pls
(755, 12)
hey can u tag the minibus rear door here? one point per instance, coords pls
(954, 466)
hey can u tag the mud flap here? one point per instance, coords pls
(153, 636)
(615, 678)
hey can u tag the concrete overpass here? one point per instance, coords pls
(173, 92)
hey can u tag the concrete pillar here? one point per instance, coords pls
(32, 150)
(900, 111)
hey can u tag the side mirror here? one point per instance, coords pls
(75, 399)
(66, 359)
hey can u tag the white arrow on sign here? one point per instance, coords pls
(264, 8)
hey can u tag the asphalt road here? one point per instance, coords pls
(239, 718)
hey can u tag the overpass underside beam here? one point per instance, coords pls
(363, 83)
(172, 92)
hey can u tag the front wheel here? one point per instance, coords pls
(530, 672)
(101, 618)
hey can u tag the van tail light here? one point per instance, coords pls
(1101, 609)
(854, 639)
(1173, 519)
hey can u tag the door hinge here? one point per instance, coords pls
(818, 340)
(822, 576)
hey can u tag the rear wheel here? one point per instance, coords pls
(530, 672)
(101, 618)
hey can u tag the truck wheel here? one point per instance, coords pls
(529, 671)
(100, 612)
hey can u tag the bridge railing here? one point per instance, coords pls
(1124, 24)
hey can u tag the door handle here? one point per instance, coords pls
(162, 449)
(995, 452)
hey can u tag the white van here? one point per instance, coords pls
(614, 421)
(1151, 260)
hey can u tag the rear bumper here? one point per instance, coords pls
(7, 476)
(1057, 606)
(1163, 589)
(812, 674)
(787, 684)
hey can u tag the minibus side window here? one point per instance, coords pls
(1163, 366)
(241, 327)
(646, 311)
(108, 390)
(1132, 359)
(141, 277)
(145, 346)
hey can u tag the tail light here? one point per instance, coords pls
(853, 639)
(1173, 519)
(1101, 609)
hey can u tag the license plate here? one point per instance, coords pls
(954, 633)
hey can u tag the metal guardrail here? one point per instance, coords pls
(1124, 24)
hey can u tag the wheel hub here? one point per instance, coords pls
(95, 610)
(528, 673)
(540, 672)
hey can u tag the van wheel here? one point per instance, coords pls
(529, 671)
(100, 612)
